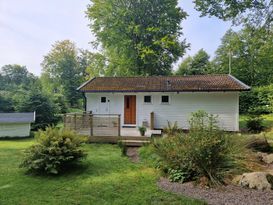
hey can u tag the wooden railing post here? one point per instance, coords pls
(119, 125)
(152, 120)
(91, 125)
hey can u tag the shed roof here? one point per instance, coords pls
(17, 117)
(194, 83)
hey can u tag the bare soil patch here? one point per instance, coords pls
(224, 195)
(132, 153)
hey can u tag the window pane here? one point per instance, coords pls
(165, 99)
(147, 99)
(103, 99)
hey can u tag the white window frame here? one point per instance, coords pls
(147, 103)
(165, 103)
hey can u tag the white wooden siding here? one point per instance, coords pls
(14, 129)
(223, 104)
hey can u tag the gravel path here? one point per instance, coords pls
(226, 195)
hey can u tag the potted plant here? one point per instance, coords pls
(142, 130)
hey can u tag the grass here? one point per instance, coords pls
(105, 178)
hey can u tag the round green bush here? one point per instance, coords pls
(55, 151)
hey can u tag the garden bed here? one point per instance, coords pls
(224, 195)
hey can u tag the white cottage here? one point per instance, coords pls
(16, 124)
(171, 98)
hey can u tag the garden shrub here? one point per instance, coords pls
(123, 148)
(205, 151)
(55, 151)
(257, 101)
(255, 124)
(171, 129)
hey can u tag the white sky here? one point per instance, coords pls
(28, 28)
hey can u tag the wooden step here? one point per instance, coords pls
(135, 143)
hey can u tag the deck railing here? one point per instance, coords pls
(93, 124)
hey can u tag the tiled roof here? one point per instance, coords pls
(17, 117)
(194, 83)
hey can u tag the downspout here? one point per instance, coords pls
(84, 102)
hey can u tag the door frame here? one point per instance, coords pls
(132, 112)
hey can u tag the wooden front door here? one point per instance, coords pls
(130, 109)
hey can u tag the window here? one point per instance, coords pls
(103, 99)
(147, 99)
(165, 99)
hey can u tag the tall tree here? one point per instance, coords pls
(13, 76)
(199, 64)
(138, 37)
(61, 71)
(258, 13)
(251, 53)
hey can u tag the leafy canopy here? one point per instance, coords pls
(138, 37)
(249, 12)
(199, 64)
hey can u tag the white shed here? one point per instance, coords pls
(16, 124)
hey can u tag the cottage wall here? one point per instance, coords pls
(223, 104)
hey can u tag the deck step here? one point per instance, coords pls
(135, 143)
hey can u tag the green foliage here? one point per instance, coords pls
(42, 105)
(204, 152)
(252, 57)
(104, 169)
(55, 151)
(197, 65)
(255, 124)
(257, 101)
(177, 175)
(123, 148)
(6, 104)
(14, 76)
(171, 129)
(148, 156)
(138, 37)
(256, 13)
(61, 71)
(142, 130)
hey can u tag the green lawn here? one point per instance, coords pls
(106, 178)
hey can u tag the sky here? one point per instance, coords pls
(28, 29)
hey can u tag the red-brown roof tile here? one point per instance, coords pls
(194, 83)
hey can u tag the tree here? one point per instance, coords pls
(252, 55)
(61, 71)
(13, 76)
(92, 64)
(197, 65)
(138, 37)
(249, 12)
(42, 105)
(6, 104)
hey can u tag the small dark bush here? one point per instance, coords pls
(55, 151)
(255, 124)
(205, 151)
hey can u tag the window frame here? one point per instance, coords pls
(147, 103)
(165, 103)
(102, 98)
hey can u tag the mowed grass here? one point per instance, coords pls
(105, 178)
